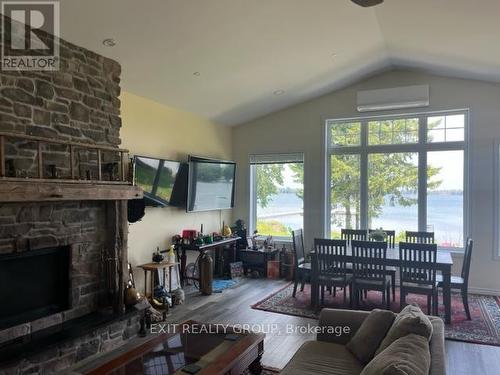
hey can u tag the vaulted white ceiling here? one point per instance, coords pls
(246, 50)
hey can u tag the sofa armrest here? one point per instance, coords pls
(333, 319)
(437, 348)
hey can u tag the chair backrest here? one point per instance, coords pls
(419, 237)
(353, 234)
(467, 260)
(391, 237)
(369, 260)
(417, 263)
(298, 247)
(331, 257)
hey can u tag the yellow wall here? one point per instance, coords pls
(153, 129)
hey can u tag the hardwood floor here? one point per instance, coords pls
(233, 307)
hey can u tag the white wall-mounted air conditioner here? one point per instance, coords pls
(393, 98)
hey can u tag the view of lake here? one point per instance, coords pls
(444, 211)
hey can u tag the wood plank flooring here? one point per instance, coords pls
(233, 307)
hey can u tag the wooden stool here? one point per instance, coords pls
(155, 267)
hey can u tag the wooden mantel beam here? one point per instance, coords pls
(50, 192)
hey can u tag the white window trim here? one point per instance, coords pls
(421, 147)
(268, 158)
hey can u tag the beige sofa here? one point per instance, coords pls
(328, 355)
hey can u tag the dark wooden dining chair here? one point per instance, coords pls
(370, 270)
(462, 282)
(302, 268)
(332, 266)
(417, 273)
(353, 234)
(391, 244)
(419, 237)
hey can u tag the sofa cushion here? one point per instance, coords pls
(368, 337)
(410, 320)
(408, 355)
(317, 357)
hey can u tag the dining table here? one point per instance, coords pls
(444, 263)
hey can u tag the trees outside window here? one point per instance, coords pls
(277, 194)
(394, 173)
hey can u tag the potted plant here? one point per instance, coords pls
(378, 235)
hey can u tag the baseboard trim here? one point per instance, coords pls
(485, 291)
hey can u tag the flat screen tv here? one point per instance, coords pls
(159, 178)
(210, 184)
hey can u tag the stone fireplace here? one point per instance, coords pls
(62, 214)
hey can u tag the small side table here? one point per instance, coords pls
(155, 267)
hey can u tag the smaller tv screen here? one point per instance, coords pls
(210, 184)
(157, 178)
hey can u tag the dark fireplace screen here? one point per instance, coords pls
(33, 284)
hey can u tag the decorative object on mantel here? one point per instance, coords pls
(81, 157)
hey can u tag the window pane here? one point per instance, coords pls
(445, 128)
(344, 193)
(392, 192)
(279, 195)
(445, 178)
(345, 134)
(396, 131)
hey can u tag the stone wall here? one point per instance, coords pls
(78, 103)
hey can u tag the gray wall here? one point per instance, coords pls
(301, 128)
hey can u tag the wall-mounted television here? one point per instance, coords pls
(162, 180)
(210, 184)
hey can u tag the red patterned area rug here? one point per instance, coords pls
(484, 328)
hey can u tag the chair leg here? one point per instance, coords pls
(302, 282)
(334, 291)
(465, 300)
(384, 297)
(351, 302)
(322, 294)
(366, 293)
(345, 294)
(393, 283)
(388, 298)
(402, 299)
(429, 308)
(435, 303)
(295, 283)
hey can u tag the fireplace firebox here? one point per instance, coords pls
(33, 284)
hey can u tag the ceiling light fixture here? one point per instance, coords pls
(279, 92)
(197, 74)
(367, 3)
(109, 42)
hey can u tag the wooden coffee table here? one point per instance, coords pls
(206, 346)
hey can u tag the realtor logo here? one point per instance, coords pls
(30, 33)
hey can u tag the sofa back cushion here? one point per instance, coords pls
(408, 355)
(370, 334)
(410, 320)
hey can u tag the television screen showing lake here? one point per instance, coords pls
(211, 186)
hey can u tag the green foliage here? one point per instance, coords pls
(269, 177)
(273, 228)
(390, 175)
(298, 177)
